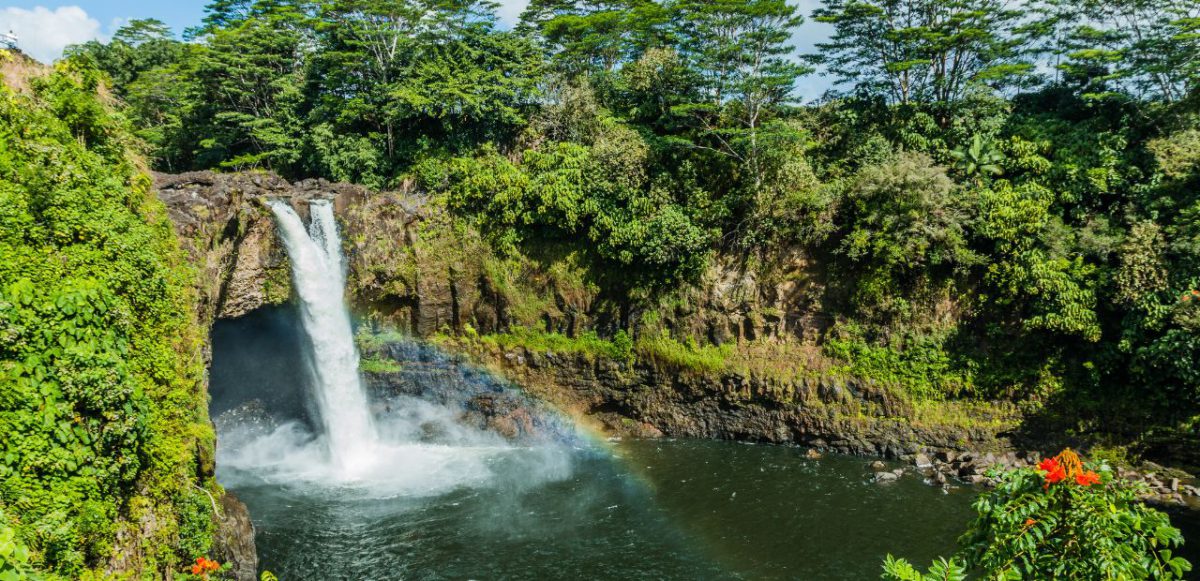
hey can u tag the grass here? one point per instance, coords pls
(665, 350)
(589, 344)
(376, 365)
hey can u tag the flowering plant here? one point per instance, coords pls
(203, 567)
(1062, 520)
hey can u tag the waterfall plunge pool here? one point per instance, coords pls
(665, 509)
(651, 510)
(343, 483)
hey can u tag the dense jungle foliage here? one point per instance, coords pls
(1002, 196)
(103, 422)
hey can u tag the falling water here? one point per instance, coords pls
(320, 281)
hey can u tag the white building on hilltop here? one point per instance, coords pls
(8, 40)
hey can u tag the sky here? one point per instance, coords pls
(46, 27)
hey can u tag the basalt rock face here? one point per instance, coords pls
(418, 269)
(484, 401)
(843, 415)
(234, 541)
(223, 223)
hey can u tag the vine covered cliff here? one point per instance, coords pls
(106, 449)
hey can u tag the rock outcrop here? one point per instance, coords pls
(831, 413)
(416, 269)
(234, 541)
(228, 231)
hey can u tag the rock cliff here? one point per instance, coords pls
(416, 269)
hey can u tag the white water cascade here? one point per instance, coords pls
(411, 448)
(320, 280)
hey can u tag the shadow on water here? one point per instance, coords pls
(258, 357)
(627, 510)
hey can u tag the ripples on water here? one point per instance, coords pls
(642, 510)
(472, 506)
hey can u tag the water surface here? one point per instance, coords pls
(635, 510)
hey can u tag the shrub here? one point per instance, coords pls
(1063, 520)
(102, 407)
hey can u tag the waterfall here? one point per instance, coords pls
(320, 281)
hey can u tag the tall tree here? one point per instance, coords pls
(1156, 40)
(740, 50)
(135, 48)
(247, 89)
(384, 67)
(595, 35)
(919, 50)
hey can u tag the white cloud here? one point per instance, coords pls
(509, 11)
(44, 33)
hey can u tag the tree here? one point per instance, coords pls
(383, 67)
(247, 96)
(137, 47)
(145, 67)
(589, 36)
(905, 227)
(919, 50)
(1154, 40)
(740, 54)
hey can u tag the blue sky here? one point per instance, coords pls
(46, 27)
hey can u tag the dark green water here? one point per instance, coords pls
(636, 510)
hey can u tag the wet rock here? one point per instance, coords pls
(922, 461)
(813, 454)
(886, 477)
(234, 540)
(486, 402)
(878, 466)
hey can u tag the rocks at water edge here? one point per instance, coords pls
(234, 541)
(1164, 486)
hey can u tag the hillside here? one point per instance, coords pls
(107, 450)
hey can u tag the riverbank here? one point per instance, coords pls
(753, 369)
(946, 444)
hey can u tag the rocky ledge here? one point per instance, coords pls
(825, 414)
(228, 232)
(828, 413)
(1163, 486)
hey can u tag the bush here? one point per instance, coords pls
(102, 407)
(923, 369)
(1063, 520)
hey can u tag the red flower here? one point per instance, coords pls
(1055, 476)
(1048, 465)
(204, 566)
(1029, 522)
(1087, 478)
